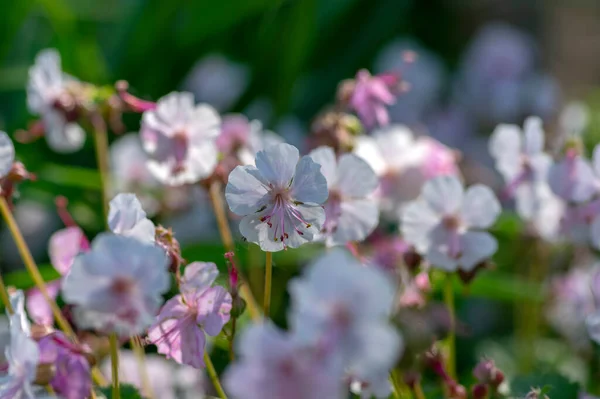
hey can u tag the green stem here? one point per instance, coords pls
(214, 378)
(450, 340)
(114, 362)
(5, 297)
(268, 281)
(102, 156)
(231, 339)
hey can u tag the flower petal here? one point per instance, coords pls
(358, 219)
(246, 191)
(325, 157)
(64, 246)
(476, 247)
(533, 130)
(126, 217)
(277, 163)
(572, 179)
(480, 207)
(418, 220)
(7, 154)
(213, 310)
(444, 194)
(309, 185)
(198, 277)
(355, 177)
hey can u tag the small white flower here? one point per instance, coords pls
(117, 285)
(47, 84)
(281, 198)
(351, 211)
(179, 137)
(345, 307)
(7, 154)
(126, 217)
(440, 223)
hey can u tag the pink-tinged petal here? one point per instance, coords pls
(193, 345)
(213, 310)
(37, 307)
(64, 246)
(390, 79)
(380, 91)
(197, 278)
(480, 207)
(572, 179)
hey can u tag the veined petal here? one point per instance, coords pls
(198, 277)
(213, 310)
(277, 163)
(246, 191)
(355, 177)
(357, 220)
(309, 185)
(480, 207)
(444, 194)
(193, 345)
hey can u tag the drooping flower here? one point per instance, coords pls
(72, 378)
(344, 307)
(182, 324)
(272, 364)
(130, 171)
(179, 137)
(281, 198)
(369, 95)
(117, 285)
(404, 164)
(7, 154)
(63, 247)
(22, 355)
(443, 224)
(48, 95)
(126, 217)
(351, 212)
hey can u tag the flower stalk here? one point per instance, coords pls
(451, 339)
(214, 378)
(268, 283)
(114, 363)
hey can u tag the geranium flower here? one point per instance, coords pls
(179, 137)
(351, 212)
(48, 95)
(126, 217)
(117, 285)
(281, 198)
(182, 324)
(442, 224)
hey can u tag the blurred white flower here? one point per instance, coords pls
(179, 138)
(126, 217)
(7, 154)
(351, 212)
(117, 286)
(443, 224)
(280, 198)
(48, 86)
(345, 308)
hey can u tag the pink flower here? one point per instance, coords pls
(180, 328)
(64, 246)
(371, 95)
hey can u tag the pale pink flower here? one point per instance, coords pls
(182, 324)
(179, 138)
(371, 95)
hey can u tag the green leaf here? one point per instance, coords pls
(555, 385)
(126, 391)
(21, 279)
(70, 176)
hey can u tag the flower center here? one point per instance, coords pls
(122, 285)
(180, 148)
(282, 215)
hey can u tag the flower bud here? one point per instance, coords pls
(238, 306)
(480, 391)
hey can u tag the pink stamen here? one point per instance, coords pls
(61, 208)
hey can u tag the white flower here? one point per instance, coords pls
(22, 355)
(126, 217)
(520, 158)
(351, 212)
(345, 307)
(117, 285)
(281, 198)
(439, 223)
(7, 154)
(130, 171)
(179, 137)
(47, 84)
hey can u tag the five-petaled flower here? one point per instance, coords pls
(280, 198)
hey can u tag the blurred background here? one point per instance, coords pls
(476, 63)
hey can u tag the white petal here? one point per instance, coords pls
(480, 207)
(418, 219)
(440, 260)
(325, 157)
(355, 178)
(505, 141)
(277, 163)
(367, 149)
(126, 217)
(444, 194)
(534, 136)
(309, 185)
(476, 247)
(204, 123)
(358, 219)
(7, 154)
(395, 142)
(596, 160)
(246, 191)
(572, 180)
(62, 136)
